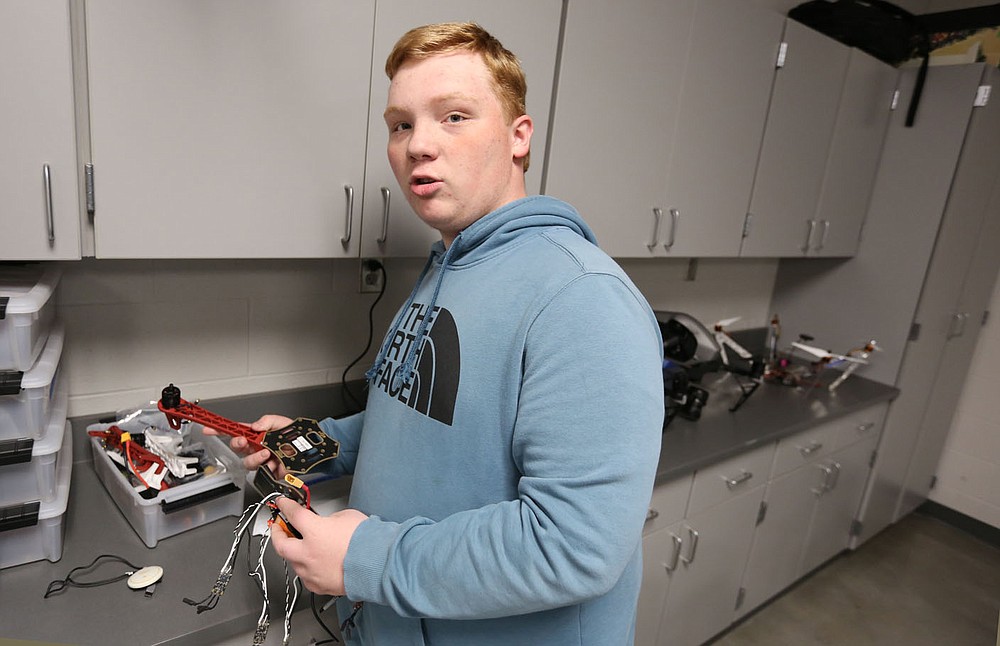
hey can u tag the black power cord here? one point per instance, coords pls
(369, 265)
(61, 584)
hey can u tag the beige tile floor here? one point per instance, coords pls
(919, 582)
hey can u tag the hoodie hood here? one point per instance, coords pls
(490, 233)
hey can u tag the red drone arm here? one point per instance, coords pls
(177, 409)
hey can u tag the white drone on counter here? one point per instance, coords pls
(851, 361)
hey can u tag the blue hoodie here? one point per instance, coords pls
(507, 452)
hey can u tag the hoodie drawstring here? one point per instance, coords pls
(406, 371)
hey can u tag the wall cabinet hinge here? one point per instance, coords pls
(740, 596)
(871, 461)
(761, 511)
(914, 332)
(982, 96)
(747, 219)
(986, 317)
(782, 54)
(933, 482)
(88, 174)
(856, 527)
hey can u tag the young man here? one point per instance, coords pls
(505, 460)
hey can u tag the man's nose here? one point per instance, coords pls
(422, 143)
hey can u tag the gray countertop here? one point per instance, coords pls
(113, 614)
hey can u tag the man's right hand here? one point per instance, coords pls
(254, 459)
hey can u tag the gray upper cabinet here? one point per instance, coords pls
(800, 125)
(722, 108)
(390, 228)
(38, 169)
(855, 150)
(615, 115)
(228, 128)
(653, 90)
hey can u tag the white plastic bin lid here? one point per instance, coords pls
(27, 288)
(52, 439)
(41, 374)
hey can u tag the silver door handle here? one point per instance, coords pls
(822, 236)
(674, 215)
(732, 483)
(809, 235)
(694, 547)
(49, 217)
(657, 216)
(672, 565)
(349, 190)
(823, 488)
(836, 476)
(385, 216)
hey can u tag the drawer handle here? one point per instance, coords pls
(694, 547)
(49, 219)
(651, 514)
(672, 565)
(732, 483)
(812, 448)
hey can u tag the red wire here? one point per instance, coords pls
(128, 456)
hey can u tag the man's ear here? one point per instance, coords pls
(521, 131)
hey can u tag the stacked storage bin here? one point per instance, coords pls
(35, 440)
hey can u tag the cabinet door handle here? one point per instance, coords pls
(672, 565)
(827, 473)
(694, 547)
(385, 216)
(812, 447)
(809, 235)
(822, 235)
(651, 514)
(350, 214)
(865, 427)
(674, 215)
(657, 216)
(49, 218)
(732, 483)
(836, 476)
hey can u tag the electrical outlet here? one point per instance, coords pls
(372, 276)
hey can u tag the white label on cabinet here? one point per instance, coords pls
(982, 96)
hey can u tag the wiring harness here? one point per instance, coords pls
(256, 570)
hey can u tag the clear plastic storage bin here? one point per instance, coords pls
(26, 313)
(33, 531)
(25, 398)
(181, 507)
(36, 478)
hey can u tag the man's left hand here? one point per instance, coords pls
(318, 558)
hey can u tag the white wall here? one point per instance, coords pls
(969, 471)
(221, 328)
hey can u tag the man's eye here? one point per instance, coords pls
(455, 118)
(401, 126)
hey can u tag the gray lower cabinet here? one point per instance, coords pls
(811, 502)
(722, 542)
(38, 169)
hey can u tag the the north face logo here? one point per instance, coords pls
(434, 386)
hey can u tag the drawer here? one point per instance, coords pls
(730, 478)
(815, 443)
(861, 426)
(668, 504)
